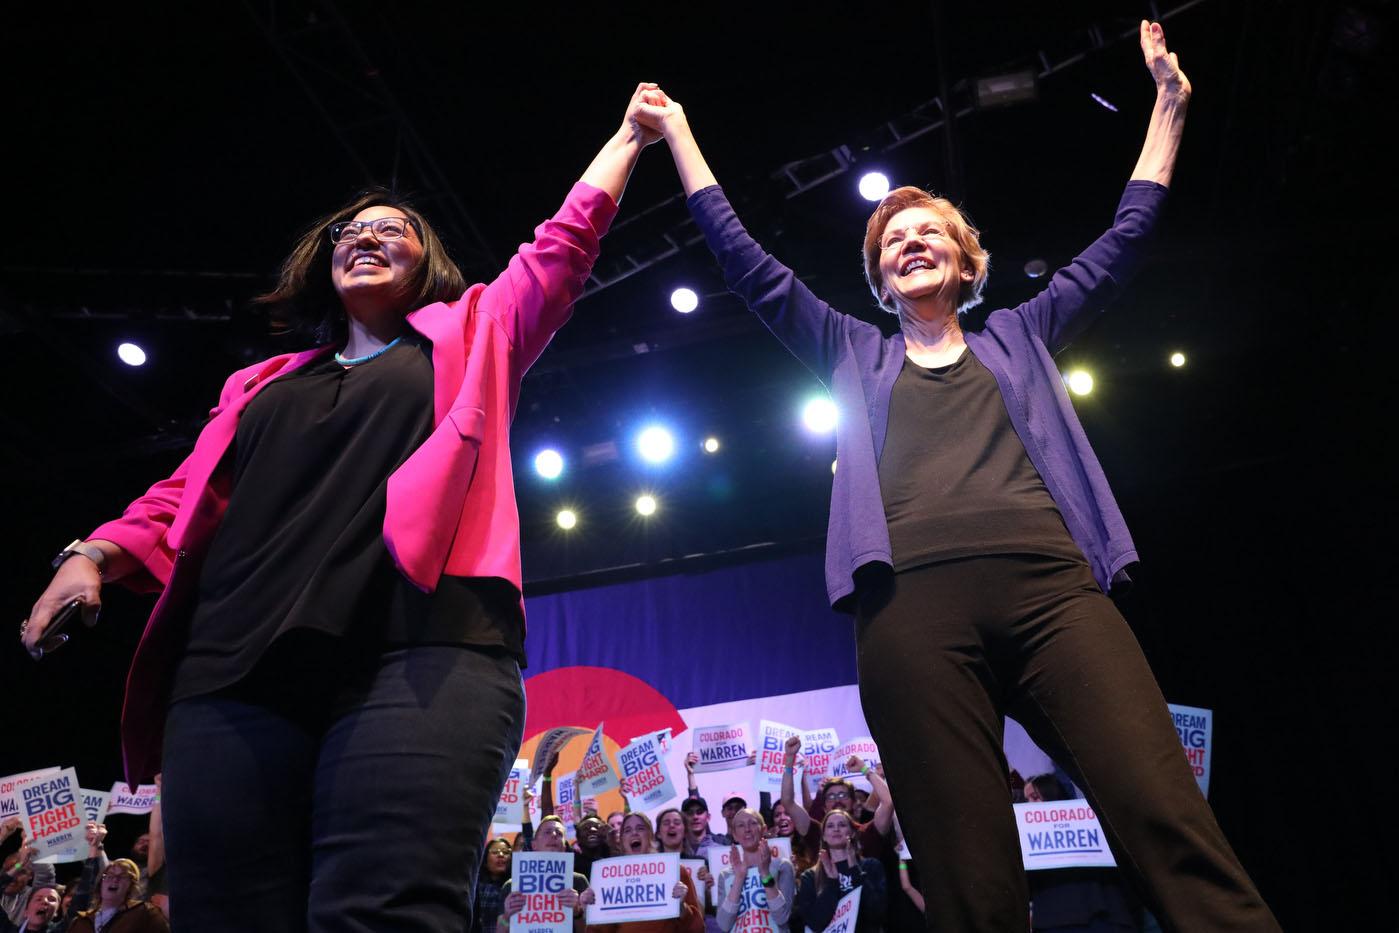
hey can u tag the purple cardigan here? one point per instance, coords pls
(859, 365)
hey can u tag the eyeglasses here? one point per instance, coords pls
(385, 228)
(108, 875)
(838, 795)
(898, 237)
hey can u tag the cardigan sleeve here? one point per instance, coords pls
(811, 329)
(1077, 292)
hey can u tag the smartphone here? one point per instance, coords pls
(61, 626)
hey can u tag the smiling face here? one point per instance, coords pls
(549, 837)
(748, 830)
(592, 832)
(114, 887)
(919, 260)
(636, 835)
(42, 907)
(837, 830)
(367, 268)
(697, 819)
(781, 820)
(671, 829)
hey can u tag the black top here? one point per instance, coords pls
(301, 545)
(954, 476)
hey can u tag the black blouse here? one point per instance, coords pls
(301, 546)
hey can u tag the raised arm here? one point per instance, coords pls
(534, 296)
(1096, 276)
(1163, 134)
(801, 820)
(811, 329)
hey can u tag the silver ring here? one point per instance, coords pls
(23, 627)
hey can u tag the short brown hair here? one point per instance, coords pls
(963, 233)
(304, 300)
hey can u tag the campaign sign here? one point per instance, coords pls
(772, 742)
(94, 804)
(779, 846)
(634, 887)
(819, 748)
(596, 773)
(1195, 726)
(846, 915)
(542, 877)
(52, 816)
(662, 738)
(1061, 834)
(510, 808)
(721, 748)
(864, 747)
(753, 913)
(9, 801)
(549, 744)
(694, 865)
(645, 777)
(123, 801)
(567, 787)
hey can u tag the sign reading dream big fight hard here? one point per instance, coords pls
(94, 804)
(51, 813)
(645, 777)
(721, 748)
(846, 916)
(567, 787)
(542, 877)
(1061, 834)
(819, 747)
(753, 913)
(510, 808)
(772, 743)
(1195, 726)
(596, 773)
(634, 887)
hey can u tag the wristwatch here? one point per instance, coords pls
(78, 547)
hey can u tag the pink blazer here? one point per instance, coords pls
(451, 505)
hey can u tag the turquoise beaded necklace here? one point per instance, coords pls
(344, 360)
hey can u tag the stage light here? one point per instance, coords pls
(646, 505)
(874, 186)
(684, 300)
(819, 416)
(548, 463)
(655, 444)
(566, 518)
(131, 354)
(1080, 381)
(711, 445)
(1103, 100)
(833, 468)
(1177, 359)
(1036, 268)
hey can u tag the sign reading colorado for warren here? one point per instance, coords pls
(1061, 834)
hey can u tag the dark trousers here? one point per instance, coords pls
(947, 650)
(345, 800)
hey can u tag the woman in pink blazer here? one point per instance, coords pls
(330, 680)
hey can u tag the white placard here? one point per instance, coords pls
(846, 916)
(864, 747)
(596, 773)
(567, 788)
(94, 804)
(51, 813)
(1195, 727)
(634, 887)
(645, 777)
(772, 744)
(542, 877)
(123, 801)
(510, 807)
(721, 748)
(819, 748)
(1061, 834)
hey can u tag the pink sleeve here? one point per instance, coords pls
(143, 527)
(534, 296)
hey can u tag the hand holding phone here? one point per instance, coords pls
(60, 629)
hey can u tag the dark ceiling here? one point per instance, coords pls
(161, 159)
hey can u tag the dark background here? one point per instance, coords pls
(161, 159)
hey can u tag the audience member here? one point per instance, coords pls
(751, 851)
(839, 870)
(118, 909)
(638, 839)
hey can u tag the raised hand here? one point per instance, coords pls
(855, 764)
(1163, 65)
(678, 892)
(691, 760)
(642, 129)
(514, 903)
(828, 864)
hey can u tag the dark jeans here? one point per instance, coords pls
(947, 650)
(339, 799)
